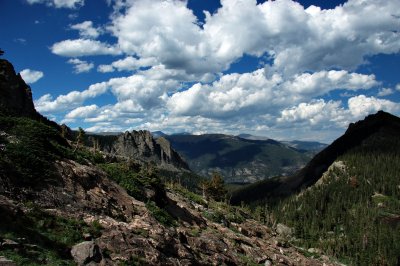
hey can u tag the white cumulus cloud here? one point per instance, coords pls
(362, 105)
(86, 29)
(127, 64)
(385, 92)
(83, 47)
(73, 99)
(31, 76)
(83, 111)
(238, 94)
(80, 66)
(316, 112)
(59, 3)
(296, 39)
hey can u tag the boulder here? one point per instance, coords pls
(284, 230)
(86, 252)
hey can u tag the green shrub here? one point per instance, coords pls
(161, 215)
(29, 149)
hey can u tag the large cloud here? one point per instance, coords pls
(178, 64)
(362, 105)
(237, 94)
(333, 113)
(297, 39)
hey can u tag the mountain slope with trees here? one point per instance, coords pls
(238, 160)
(346, 201)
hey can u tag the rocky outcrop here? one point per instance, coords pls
(15, 94)
(141, 146)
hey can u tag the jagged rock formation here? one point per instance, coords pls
(15, 94)
(141, 146)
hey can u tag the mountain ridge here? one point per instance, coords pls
(307, 176)
(238, 160)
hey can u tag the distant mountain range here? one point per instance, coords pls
(239, 160)
(243, 158)
(297, 144)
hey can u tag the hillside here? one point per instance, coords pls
(238, 160)
(65, 203)
(348, 197)
(354, 136)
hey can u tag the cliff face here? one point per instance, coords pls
(15, 94)
(141, 146)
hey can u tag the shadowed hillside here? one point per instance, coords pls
(238, 160)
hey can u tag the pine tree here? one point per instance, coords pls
(214, 188)
(80, 138)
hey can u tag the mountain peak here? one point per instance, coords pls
(381, 118)
(15, 94)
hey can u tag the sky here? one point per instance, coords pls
(283, 69)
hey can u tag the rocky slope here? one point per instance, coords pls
(130, 233)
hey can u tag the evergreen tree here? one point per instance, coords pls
(80, 138)
(214, 188)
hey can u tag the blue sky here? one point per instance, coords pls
(282, 69)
